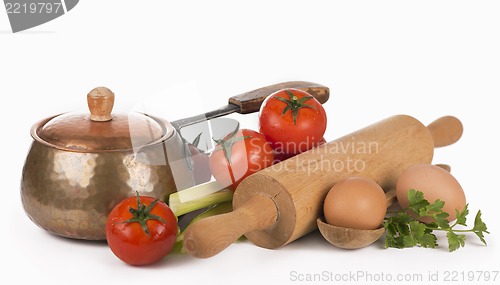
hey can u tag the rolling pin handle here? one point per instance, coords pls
(207, 237)
(445, 131)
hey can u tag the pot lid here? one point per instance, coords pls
(101, 131)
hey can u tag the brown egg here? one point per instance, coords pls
(435, 183)
(357, 203)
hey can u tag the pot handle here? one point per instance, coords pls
(250, 102)
(100, 101)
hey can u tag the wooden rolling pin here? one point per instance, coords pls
(280, 204)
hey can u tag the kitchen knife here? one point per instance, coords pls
(250, 102)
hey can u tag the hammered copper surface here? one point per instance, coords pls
(71, 193)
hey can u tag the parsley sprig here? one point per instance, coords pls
(405, 230)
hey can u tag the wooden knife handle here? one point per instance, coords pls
(211, 235)
(250, 102)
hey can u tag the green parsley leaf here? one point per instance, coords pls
(462, 216)
(435, 207)
(391, 228)
(415, 197)
(417, 201)
(410, 241)
(479, 225)
(404, 229)
(428, 240)
(441, 219)
(455, 241)
(390, 241)
(481, 237)
(417, 229)
(403, 218)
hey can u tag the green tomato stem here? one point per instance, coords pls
(294, 104)
(143, 214)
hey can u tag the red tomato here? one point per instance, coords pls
(292, 120)
(141, 230)
(238, 155)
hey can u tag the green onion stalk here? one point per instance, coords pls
(181, 208)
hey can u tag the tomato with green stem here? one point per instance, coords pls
(293, 121)
(239, 154)
(141, 230)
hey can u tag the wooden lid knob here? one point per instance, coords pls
(100, 101)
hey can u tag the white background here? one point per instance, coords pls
(380, 58)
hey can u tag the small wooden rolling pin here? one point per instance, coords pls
(280, 204)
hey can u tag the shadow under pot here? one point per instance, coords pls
(81, 165)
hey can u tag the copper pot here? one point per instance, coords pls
(81, 165)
